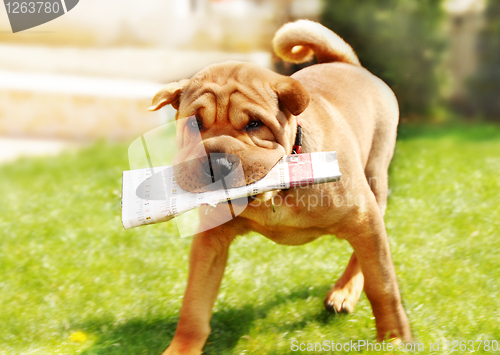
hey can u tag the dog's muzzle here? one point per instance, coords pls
(219, 165)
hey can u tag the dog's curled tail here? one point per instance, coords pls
(299, 41)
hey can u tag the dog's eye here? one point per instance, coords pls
(195, 124)
(253, 125)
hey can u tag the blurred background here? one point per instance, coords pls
(91, 73)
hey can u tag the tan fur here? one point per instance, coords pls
(342, 108)
(299, 41)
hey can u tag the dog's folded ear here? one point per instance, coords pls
(169, 94)
(292, 95)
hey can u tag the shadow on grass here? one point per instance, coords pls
(152, 336)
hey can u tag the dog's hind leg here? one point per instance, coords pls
(345, 294)
(378, 180)
(376, 172)
(368, 238)
(382, 149)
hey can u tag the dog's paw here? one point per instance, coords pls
(176, 348)
(172, 351)
(343, 299)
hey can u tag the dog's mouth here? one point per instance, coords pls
(221, 166)
(213, 172)
(198, 172)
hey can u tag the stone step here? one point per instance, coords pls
(88, 94)
(148, 64)
(72, 107)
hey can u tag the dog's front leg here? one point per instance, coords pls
(368, 238)
(209, 252)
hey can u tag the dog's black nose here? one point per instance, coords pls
(218, 166)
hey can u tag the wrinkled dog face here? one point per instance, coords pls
(238, 115)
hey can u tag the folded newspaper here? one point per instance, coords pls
(152, 196)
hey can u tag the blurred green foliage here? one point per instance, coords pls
(484, 86)
(399, 41)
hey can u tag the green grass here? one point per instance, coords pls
(67, 265)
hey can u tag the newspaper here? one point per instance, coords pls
(152, 196)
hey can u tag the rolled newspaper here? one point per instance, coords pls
(152, 196)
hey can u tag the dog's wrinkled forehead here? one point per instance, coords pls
(220, 82)
(231, 91)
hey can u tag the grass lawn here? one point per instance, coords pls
(68, 266)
